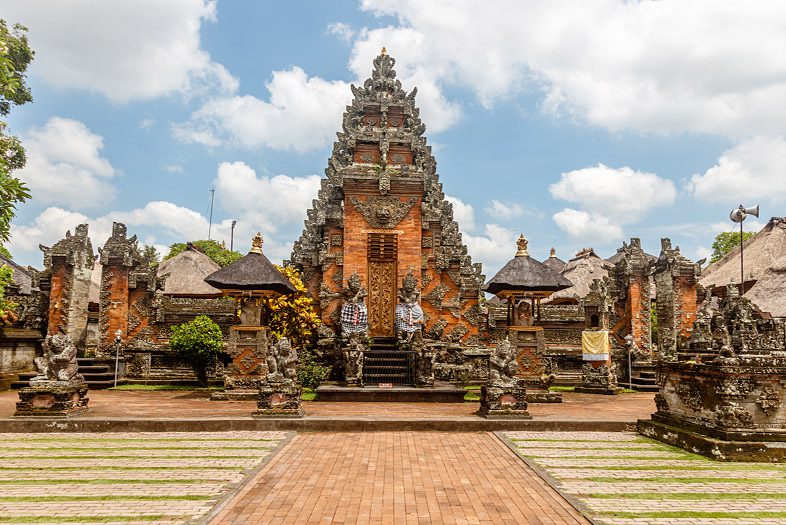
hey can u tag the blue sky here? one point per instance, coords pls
(577, 123)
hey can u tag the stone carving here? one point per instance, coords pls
(282, 362)
(354, 314)
(409, 314)
(769, 400)
(502, 364)
(354, 350)
(383, 211)
(731, 414)
(58, 364)
(600, 377)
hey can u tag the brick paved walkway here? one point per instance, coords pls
(626, 479)
(183, 404)
(397, 477)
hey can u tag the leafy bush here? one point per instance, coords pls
(310, 373)
(199, 342)
(218, 253)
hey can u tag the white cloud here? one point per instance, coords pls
(123, 49)
(588, 227)
(146, 123)
(463, 213)
(645, 66)
(622, 194)
(608, 198)
(748, 172)
(65, 166)
(341, 30)
(504, 211)
(174, 168)
(494, 247)
(303, 113)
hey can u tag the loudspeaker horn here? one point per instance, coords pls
(739, 214)
(752, 211)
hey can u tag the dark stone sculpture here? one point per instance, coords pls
(354, 315)
(279, 395)
(504, 397)
(409, 314)
(354, 350)
(58, 390)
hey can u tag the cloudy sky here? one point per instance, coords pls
(578, 123)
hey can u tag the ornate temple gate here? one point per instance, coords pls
(382, 283)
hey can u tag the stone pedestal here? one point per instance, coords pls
(57, 399)
(352, 354)
(279, 400)
(503, 402)
(598, 379)
(530, 347)
(248, 348)
(424, 369)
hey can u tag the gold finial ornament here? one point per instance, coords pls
(256, 244)
(384, 51)
(522, 244)
(553, 253)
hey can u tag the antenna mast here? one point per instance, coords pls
(210, 226)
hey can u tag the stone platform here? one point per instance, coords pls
(439, 393)
(749, 447)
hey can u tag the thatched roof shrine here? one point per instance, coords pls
(554, 262)
(581, 270)
(525, 274)
(186, 272)
(252, 272)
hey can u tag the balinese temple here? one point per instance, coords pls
(381, 214)
(523, 282)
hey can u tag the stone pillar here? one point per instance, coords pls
(68, 266)
(675, 288)
(631, 291)
(248, 348)
(118, 256)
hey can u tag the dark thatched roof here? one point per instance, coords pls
(251, 272)
(523, 273)
(584, 268)
(554, 262)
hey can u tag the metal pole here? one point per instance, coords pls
(232, 237)
(210, 227)
(742, 267)
(630, 369)
(117, 357)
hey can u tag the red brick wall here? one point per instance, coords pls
(57, 307)
(117, 311)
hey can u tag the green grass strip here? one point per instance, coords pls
(696, 514)
(723, 467)
(100, 481)
(113, 469)
(690, 496)
(90, 519)
(567, 447)
(22, 449)
(48, 499)
(145, 440)
(640, 458)
(125, 457)
(609, 479)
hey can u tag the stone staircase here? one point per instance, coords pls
(385, 363)
(644, 379)
(98, 373)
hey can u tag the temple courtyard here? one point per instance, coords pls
(553, 470)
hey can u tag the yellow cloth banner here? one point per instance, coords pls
(595, 345)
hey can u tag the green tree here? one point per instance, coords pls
(5, 253)
(295, 317)
(200, 342)
(7, 308)
(150, 253)
(15, 55)
(218, 253)
(725, 242)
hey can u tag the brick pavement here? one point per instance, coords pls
(626, 479)
(185, 404)
(397, 477)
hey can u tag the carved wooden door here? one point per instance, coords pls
(382, 255)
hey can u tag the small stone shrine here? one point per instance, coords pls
(522, 283)
(722, 395)
(250, 281)
(58, 390)
(598, 371)
(505, 395)
(279, 394)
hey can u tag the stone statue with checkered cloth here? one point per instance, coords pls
(409, 314)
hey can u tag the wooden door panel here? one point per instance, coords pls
(381, 298)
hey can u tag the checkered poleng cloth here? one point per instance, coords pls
(354, 318)
(408, 317)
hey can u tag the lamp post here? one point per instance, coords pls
(738, 215)
(232, 237)
(118, 333)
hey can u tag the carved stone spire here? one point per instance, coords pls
(256, 244)
(552, 252)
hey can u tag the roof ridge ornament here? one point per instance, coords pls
(256, 244)
(552, 252)
(522, 243)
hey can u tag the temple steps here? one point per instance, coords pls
(385, 363)
(644, 379)
(99, 374)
